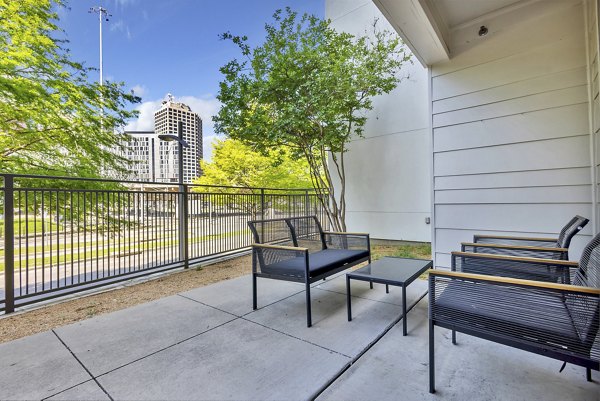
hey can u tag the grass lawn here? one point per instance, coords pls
(413, 251)
(89, 252)
(31, 227)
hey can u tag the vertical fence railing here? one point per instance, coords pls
(63, 235)
(9, 244)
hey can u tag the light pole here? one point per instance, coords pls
(182, 208)
(102, 15)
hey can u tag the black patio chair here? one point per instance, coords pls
(547, 248)
(560, 321)
(549, 270)
(516, 260)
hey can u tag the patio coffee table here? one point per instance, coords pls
(389, 271)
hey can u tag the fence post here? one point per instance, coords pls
(262, 203)
(306, 204)
(9, 245)
(262, 213)
(183, 225)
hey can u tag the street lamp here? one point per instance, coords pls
(183, 215)
(103, 14)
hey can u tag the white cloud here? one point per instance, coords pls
(139, 90)
(206, 107)
(121, 26)
(208, 144)
(145, 121)
(117, 26)
(125, 3)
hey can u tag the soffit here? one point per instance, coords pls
(458, 12)
(426, 25)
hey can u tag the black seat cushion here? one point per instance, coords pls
(318, 263)
(508, 311)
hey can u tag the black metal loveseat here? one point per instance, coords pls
(560, 321)
(314, 254)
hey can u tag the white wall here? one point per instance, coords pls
(511, 132)
(592, 25)
(388, 171)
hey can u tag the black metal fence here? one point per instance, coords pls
(62, 235)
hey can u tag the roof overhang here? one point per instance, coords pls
(416, 23)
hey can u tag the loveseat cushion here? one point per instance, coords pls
(318, 263)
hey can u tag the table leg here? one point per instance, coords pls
(403, 310)
(348, 299)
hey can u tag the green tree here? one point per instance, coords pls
(235, 164)
(307, 88)
(53, 120)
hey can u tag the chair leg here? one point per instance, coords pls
(431, 359)
(454, 337)
(308, 311)
(588, 374)
(254, 292)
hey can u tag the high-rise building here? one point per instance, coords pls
(141, 149)
(165, 122)
(157, 160)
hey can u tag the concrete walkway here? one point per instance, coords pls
(208, 344)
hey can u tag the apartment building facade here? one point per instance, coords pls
(155, 160)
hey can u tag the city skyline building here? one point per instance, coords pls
(155, 160)
(165, 122)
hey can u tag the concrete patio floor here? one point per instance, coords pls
(208, 344)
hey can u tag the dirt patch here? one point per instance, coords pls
(56, 315)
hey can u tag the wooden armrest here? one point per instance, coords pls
(343, 233)
(517, 238)
(519, 247)
(508, 280)
(281, 247)
(554, 262)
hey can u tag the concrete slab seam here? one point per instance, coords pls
(364, 351)
(296, 338)
(209, 306)
(359, 297)
(167, 347)
(82, 365)
(69, 388)
(273, 303)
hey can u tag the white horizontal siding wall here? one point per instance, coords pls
(511, 135)
(594, 92)
(388, 171)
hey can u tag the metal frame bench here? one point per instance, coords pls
(560, 321)
(314, 255)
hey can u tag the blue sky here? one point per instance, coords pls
(170, 46)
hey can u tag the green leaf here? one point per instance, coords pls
(307, 88)
(53, 120)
